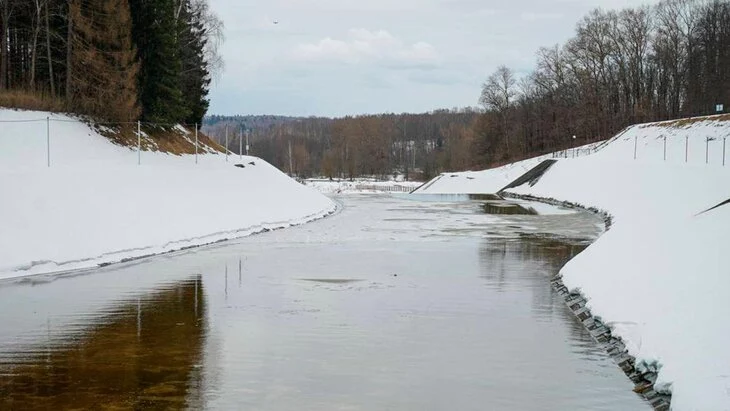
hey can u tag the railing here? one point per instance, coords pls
(384, 188)
(573, 152)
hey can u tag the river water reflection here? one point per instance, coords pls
(390, 304)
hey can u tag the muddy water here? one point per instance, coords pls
(391, 304)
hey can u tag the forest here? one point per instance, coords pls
(112, 60)
(621, 67)
(348, 147)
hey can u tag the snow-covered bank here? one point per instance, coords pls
(95, 205)
(492, 180)
(359, 186)
(660, 277)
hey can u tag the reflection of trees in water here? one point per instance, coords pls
(527, 263)
(146, 354)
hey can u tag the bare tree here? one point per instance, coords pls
(498, 93)
(6, 11)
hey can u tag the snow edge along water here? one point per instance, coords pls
(46, 268)
(644, 380)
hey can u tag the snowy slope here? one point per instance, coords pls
(361, 186)
(661, 276)
(95, 205)
(492, 180)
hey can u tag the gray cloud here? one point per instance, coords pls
(332, 57)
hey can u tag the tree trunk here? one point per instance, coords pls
(69, 72)
(4, 45)
(34, 46)
(48, 51)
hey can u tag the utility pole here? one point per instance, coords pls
(290, 161)
(240, 144)
(247, 133)
(226, 143)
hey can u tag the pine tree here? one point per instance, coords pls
(102, 60)
(156, 36)
(195, 78)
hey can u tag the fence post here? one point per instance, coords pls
(48, 141)
(139, 143)
(723, 151)
(226, 143)
(196, 143)
(707, 150)
(636, 144)
(665, 148)
(686, 148)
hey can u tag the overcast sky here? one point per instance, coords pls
(338, 57)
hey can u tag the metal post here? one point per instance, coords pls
(48, 141)
(139, 143)
(574, 148)
(196, 143)
(636, 143)
(707, 150)
(226, 143)
(240, 145)
(723, 151)
(665, 148)
(686, 148)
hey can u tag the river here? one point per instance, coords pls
(394, 303)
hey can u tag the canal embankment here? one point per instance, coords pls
(658, 279)
(72, 199)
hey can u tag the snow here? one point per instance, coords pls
(95, 205)
(360, 186)
(660, 277)
(492, 180)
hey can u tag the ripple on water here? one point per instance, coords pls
(315, 319)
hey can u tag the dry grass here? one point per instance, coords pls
(685, 122)
(26, 100)
(160, 138)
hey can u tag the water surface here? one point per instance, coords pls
(393, 303)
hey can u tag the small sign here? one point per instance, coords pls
(719, 108)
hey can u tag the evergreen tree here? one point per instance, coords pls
(156, 36)
(102, 60)
(195, 78)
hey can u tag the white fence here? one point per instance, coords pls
(29, 141)
(711, 150)
(384, 188)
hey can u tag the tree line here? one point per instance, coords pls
(622, 67)
(114, 60)
(416, 145)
